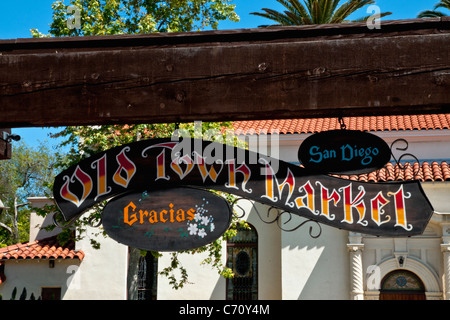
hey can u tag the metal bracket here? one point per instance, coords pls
(274, 214)
(8, 137)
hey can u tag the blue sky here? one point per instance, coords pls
(18, 17)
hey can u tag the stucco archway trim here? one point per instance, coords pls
(424, 272)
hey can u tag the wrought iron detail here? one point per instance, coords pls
(57, 217)
(403, 148)
(242, 263)
(274, 215)
(95, 221)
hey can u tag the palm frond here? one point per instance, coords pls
(273, 15)
(302, 11)
(348, 8)
(364, 19)
(431, 14)
(328, 7)
(315, 11)
(445, 4)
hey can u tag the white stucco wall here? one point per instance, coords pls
(291, 265)
(34, 275)
(101, 275)
(315, 268)
(205, 281)
(438, 193)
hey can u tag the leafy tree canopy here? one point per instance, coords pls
(111, 17)
(108, 17)
(29, 173)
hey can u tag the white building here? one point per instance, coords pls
(270, 264)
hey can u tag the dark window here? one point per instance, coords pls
(242, 258)
(51, 293)
(147, 277)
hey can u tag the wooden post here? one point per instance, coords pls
(5, 146)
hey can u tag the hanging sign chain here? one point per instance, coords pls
(342, 123)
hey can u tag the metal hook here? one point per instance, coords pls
(62, 226)
(92, 222)
(342, 123)
(398, 161)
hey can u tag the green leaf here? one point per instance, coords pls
(110, 17)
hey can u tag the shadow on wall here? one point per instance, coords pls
(316, 268)
(219, 291)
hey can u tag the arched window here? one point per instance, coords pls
(242, 258)
(402, 285)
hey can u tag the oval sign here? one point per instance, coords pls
(167, 220)
(344, 152)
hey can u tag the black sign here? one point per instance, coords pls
(384, 209)
(167, 220)
(344, 152)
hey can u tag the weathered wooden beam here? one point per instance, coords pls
(284, 72)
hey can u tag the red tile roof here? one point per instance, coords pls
(424, 172)
(43, 249)
(369, 123)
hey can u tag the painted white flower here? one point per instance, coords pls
(202, 233)
(212, 227)
(205, 221)
(198, 216)
(193, 229)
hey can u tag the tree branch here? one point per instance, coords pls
(6, 227)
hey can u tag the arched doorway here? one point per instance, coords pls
(402, 285)
(242, 258)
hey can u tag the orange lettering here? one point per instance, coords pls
(153, 217)
(131, 215)
(161, 216)
(377, 204)
(326, 199)
(191, 214)
(102, 187)
(85, 181)
(180, 215)
(171, 213)
(243, 169)
(126, 166)
(126, 215)
(400, 209)
(141, 215)
(356, 203)
(306, 201)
